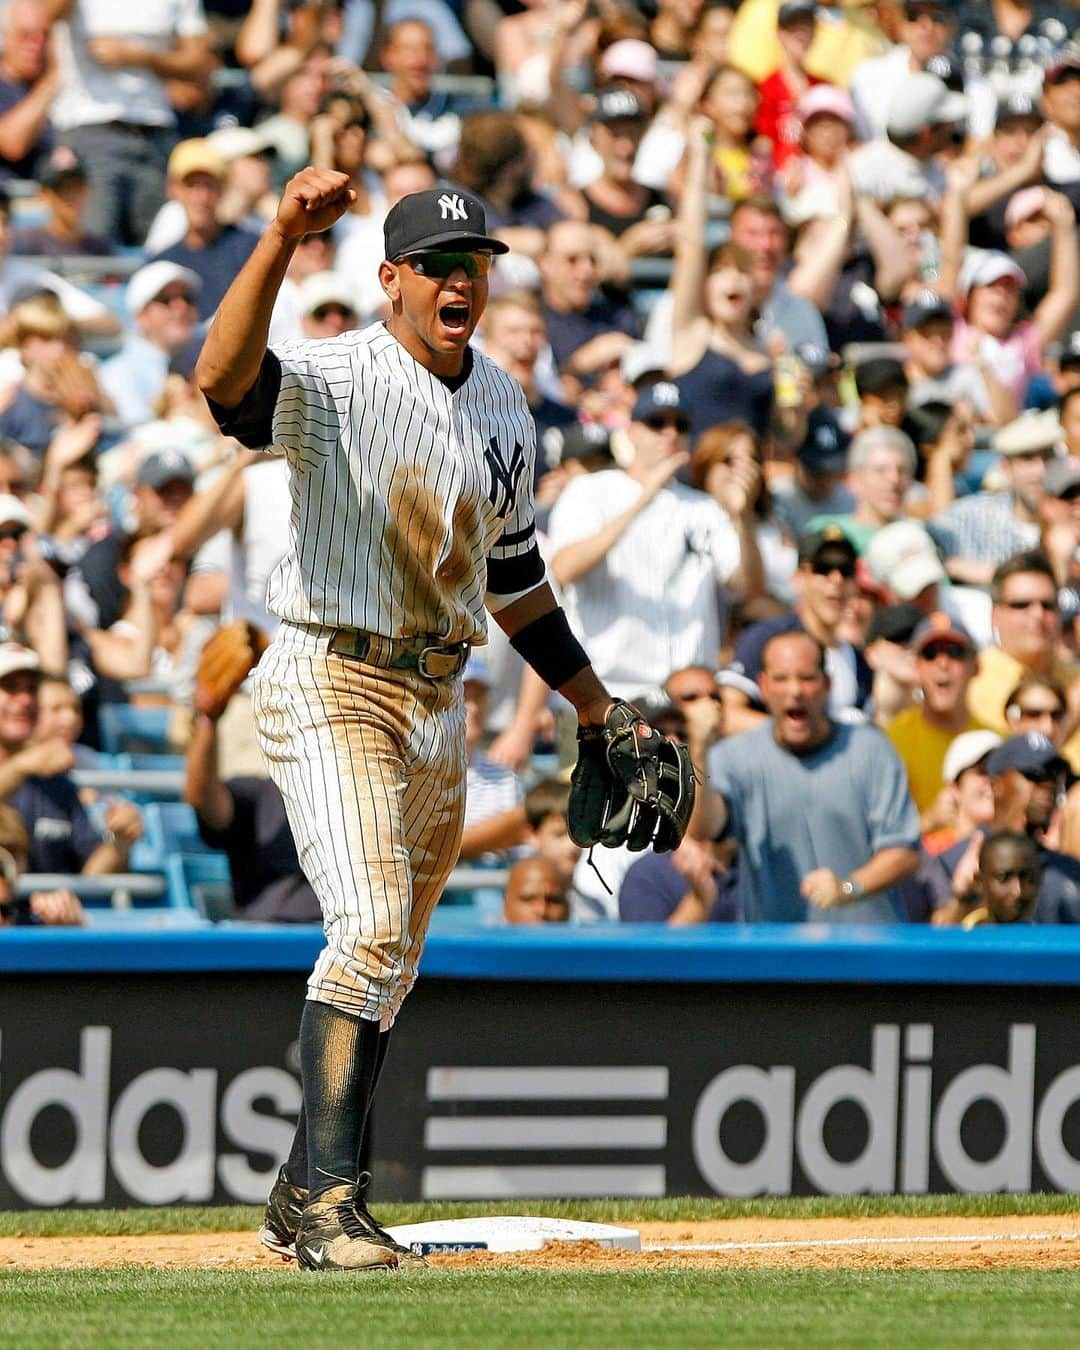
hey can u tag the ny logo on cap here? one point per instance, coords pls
(666, 394)
(452, 207)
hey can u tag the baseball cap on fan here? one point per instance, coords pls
(438, 217)
(922, 100)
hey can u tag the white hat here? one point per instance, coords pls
(902, 557)
(965, 751)
(922, 100)
(13, 511)
(984, 266)
(641, 358)
(14, 656)
(326, 288)
(1029, 433)
(149, 281)
(236, 142)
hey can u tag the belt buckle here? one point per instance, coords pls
(436, 663)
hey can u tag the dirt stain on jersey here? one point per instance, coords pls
(413, 545)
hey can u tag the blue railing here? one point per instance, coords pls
(634, 953)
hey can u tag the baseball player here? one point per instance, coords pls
(411, 470)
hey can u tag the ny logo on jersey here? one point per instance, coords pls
(502, 488)
(452, 207)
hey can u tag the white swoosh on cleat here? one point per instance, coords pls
(317, 1254)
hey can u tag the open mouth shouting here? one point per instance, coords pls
(454, 316)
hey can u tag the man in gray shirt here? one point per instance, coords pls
(821, 811)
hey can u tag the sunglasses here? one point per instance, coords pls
(1055, 714)
(914, 12)
(955, 651)
(1050, 606)
(439, 266)
(324, 312)
(696, 698)
(662, 423)
(12, 532)
(825, 567)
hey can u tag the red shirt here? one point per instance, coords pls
(776, 116)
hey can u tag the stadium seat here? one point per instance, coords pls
(201, 881)
(126, 728)
(173, 828)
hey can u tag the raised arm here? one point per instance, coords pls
(232, 354)
(1056, 306)
(688, 278)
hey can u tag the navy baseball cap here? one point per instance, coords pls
(165, 466)
(1070, 352)
(794, 11)
(894, 623)
(586, 440)
(438, 217)
(926, 306)
(657, 399)
(825, 448)
(1017, 105)
(619, 105)
(1026, 753)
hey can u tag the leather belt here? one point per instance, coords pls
(432, 657)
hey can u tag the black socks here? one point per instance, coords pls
(341, 1057)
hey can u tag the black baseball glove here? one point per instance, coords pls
(630, 785)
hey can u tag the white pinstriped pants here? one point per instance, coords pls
(371, 765)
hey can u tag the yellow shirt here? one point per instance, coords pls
(922, 747)
(839, 44)
(999, 674)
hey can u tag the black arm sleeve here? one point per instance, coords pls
(252, 420)
(506, 576)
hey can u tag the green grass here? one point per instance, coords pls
(124, 1307)
(480, 1309)
(234, 1218)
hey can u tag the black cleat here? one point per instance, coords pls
(284, 1210)
(338, 1233)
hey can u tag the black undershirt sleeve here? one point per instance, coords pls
(251, 422)
(507, 576)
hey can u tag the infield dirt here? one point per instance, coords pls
(1039, 1242)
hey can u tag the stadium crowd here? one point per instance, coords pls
(794, 299)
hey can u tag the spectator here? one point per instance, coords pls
(921, 735)
(642, 558)
(57, 387)
(979, 532)
(989, 285)
(535, 894)
(887, 649)
(288, 131)
(31, 602)
(29, 80)
(904, 559)
(96, 597)
(881, 469)
(692, 885)
(780, 92)
(964, 772)
(495, 819)
(112, 107)
(213, 251)
(53, 909)
(727, 465)
(926, 30)
(824, 583)
(1061, 104)
(817, 484)
(586, 329)
(820, 810)
(34, 780)
(65, 193)
(923, 116)
(731, 104)
(429, 118)
(1027, 775)
(60, 718)
(327, 306)
(161, 299)
(1006, 885)
(494, 162)
(722, 373)
(933, 375)
(244, 816)
(1028, 627)
(1039, 704)
(823, 121)
(882, 386)
(758, 228)
(639, 217)
(547, 830)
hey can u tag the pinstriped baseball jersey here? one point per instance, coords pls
(411, 497)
